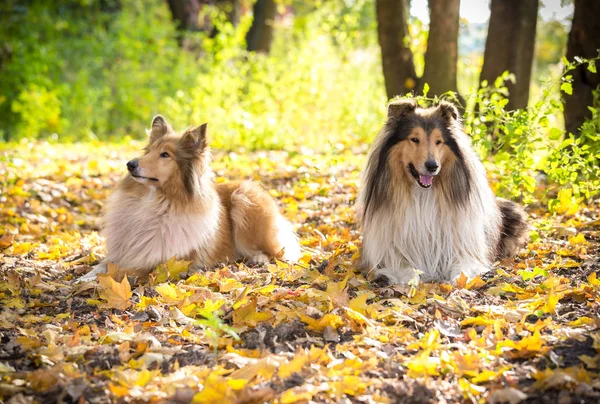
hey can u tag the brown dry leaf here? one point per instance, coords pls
(6, 240)
(247, 315)
(461, 281)
(116, 294)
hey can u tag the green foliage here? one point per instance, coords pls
(82, 71)
(525, 143)
(104, 74)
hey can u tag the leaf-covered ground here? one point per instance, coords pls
(529, 331)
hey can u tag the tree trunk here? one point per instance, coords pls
(185, 14)
(260, 35)
(396, 56)
(510, 46)
(584, 41)
(234, 12)
(442, 46)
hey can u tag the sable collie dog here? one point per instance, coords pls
(425, 203)
(169, 206)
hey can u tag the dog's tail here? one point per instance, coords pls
(514, 230)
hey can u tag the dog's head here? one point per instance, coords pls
(421, 145)
(172, 161)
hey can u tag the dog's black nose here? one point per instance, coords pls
(132, 165)
(431, 165)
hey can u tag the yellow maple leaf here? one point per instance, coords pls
(337, 293)
(116, 294)
(295, 395)
(552, 299)
(247, 315)
(487, 375)
(330, 319)
(171, 270)
(350, 385)
(593, 279)
(461, 281)
(423, 365)
(145, 302)
(469, 390)
(359, 303)
(475, 283)
(170, 293)
(578, 240)
(581, 322)
(216, 390)
(293, 366)
(23, 248)
(567, 204)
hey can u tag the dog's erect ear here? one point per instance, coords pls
(448, 110)
(401, 108)
(195, 138)
(158, 128)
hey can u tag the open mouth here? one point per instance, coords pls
(144, 178)
(424, 181)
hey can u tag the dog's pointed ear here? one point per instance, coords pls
(158, 128)
(448, 110)
(400, 108)
(195, 138)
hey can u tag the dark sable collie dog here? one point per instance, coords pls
(425, 203)
(169, 206)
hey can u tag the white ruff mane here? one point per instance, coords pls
(144, 232)
(419, 229)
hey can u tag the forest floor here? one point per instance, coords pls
(528, 331)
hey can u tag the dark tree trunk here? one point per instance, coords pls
(584, 41)
(442, 46)
(396, 56)
(510, 46)
(185, 14)
(260, 34)
(233, 9)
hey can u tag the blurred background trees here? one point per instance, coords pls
(273, 72)
(510, 47)
(584, 42)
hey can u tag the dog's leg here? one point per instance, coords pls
(471, 269)
(391, 276)
(259, 230)
(93, 274)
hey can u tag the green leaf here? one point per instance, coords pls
(592, 66)
(555, 134)
(425, 89)
(567, 88)
(528, 275)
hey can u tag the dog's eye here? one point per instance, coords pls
(165, 155)
(414, 140)
(438, 142)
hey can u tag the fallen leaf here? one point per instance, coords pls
(116, 294)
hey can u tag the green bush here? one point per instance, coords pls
(76, 72)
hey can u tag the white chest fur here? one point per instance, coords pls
(143, 232)
(421, 232)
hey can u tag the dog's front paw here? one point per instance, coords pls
(92, 275)
(389, 276)
(258, 259)
(470, 270)
(381, 281)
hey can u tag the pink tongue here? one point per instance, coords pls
(426, 179)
